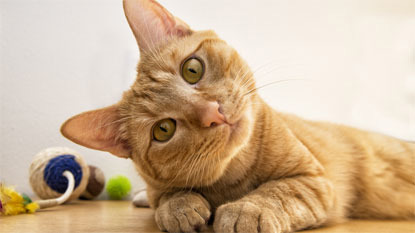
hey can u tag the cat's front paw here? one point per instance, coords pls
(244, 216)
(185, 212)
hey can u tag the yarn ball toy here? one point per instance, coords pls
(118, 187)
(57, 174)
(47, 173)
(96, 183)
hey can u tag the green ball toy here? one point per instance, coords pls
(118, 187)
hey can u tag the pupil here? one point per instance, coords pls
(192, 70)
(163, 129)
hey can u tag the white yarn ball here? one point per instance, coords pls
(37, 170)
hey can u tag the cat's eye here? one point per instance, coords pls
(164, 130)
(192, 70)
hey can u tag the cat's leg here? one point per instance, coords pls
(283, 205)
(386, 187)
(182, 212)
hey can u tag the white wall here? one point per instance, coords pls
(355, 59)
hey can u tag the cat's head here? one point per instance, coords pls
(189, 110)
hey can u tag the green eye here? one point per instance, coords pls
(192, 70)
(164, 130)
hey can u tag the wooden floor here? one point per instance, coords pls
(121, 216)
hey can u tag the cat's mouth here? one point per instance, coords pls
(235, 129)
(235, 126)
(239, 123)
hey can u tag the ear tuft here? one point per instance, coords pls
(152, 24)
(98, 129)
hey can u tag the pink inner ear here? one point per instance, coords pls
(152, 24)
(98, 129)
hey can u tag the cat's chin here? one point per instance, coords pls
(235, 129)
(239, 133)
(240, 128)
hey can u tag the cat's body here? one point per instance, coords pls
(368, 175)
(207, 145)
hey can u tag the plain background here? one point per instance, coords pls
(355, 59)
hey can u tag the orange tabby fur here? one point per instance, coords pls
(262, 171)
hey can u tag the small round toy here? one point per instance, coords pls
(47, 173)
(140, 198)
(58, 175)
(96, 183)
(118, 187)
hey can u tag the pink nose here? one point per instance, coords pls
(211, 115)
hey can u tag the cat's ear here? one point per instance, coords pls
(152, 24)
(98, 129)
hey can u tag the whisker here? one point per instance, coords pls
(250, 81)
(271, 83)
(245, 78)
(238, 78)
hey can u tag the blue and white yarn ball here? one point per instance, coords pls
(46, 171)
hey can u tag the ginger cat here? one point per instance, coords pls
(208, 146)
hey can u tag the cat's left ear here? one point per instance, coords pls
(152, 24)
(97, 129)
